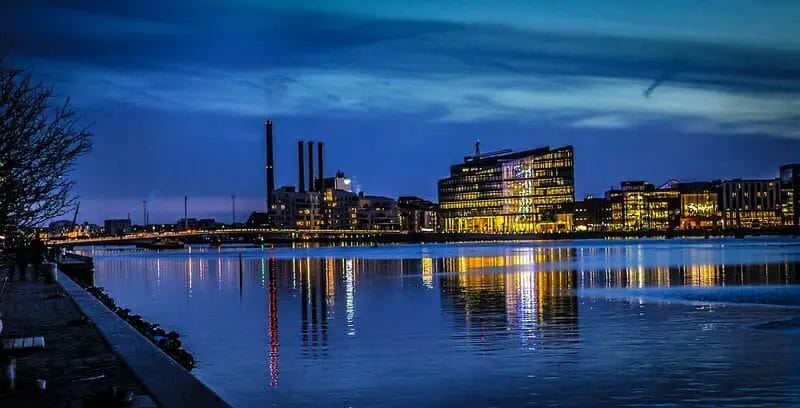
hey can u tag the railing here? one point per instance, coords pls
(193, 233)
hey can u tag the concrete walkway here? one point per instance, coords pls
(77, 364)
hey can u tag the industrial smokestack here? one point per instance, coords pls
(270, 165)
(311, 166)
(320, 179)
(301, 175)
(186, 212)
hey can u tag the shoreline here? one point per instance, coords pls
(258, 237)
(167, 382)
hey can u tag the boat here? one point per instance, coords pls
(161, 244)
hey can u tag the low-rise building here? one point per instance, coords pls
(207, 224)
(699, 205)
(592, 214)
(750, 203)
(418, 215)
(117, 227)
(377, 213)
(790, 194)
(640, 206)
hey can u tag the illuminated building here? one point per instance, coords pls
(750, 203)
(615, 203)
(339, 209)
(699, 205)
(639, 206)
(418, 215)
(634, 208)
(663, 208)
(790, 194)
(505, 192)
(292, 209)
(592, 214)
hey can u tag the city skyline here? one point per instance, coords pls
(398, 94)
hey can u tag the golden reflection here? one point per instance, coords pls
(529, 296)
(525, 256)
(350, 300)
(330, 283)
(273, 324)
(427, 272)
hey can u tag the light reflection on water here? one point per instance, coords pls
(508, 324)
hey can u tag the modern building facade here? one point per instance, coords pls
(507, 192)
(750, 203)
(790, 194)
(640, 206)
(699, 205)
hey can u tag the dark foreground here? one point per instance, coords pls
(80, 370)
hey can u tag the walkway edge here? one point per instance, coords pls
(167, 383)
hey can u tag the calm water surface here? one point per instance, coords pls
(593, 323)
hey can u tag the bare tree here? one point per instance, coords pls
(39, 145)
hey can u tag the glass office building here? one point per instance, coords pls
(510, 192)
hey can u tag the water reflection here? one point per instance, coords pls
(273, 323)
(361, 325)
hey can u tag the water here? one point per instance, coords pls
(593, 323)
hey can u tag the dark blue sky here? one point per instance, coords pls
(176, 93)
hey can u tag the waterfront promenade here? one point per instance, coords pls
(77, 365)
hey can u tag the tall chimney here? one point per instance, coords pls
(311, 166)
(301, 175)
(186, 212)
(320, 179)
(270, 165)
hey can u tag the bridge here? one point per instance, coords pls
(247, 234)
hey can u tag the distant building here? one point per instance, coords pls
(617, 213)
(418, 215)
(699, 205)
(377, 213)
(117, 227)
(295, 209)
(592, 214)
(333, 209)
(257, 219)
(640, 206)
(505, 192)
(340, 182)
(340, 208)
(197, 224)
(790, 194)
(750, 203)
(59, 228)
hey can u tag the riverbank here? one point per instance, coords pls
(78, 366)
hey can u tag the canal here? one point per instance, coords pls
(705, 322)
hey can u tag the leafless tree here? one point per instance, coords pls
(40, 143)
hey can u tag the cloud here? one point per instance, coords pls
(603, 122)
(436, 61)
(581, 101)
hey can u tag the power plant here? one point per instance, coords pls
(270, 166)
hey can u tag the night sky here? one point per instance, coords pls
(176, 94)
